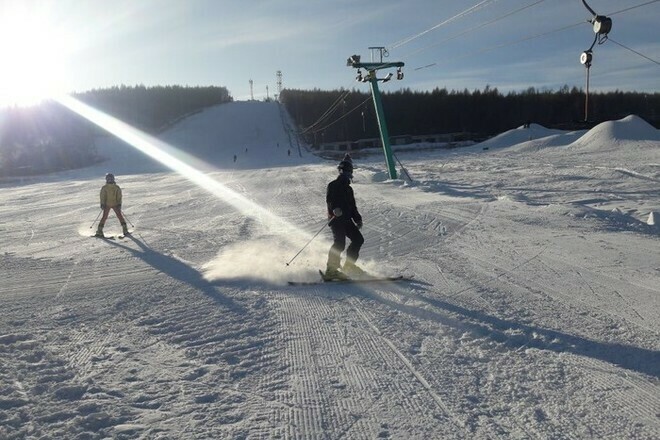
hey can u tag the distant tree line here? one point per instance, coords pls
(343, 115)
(49, 137)
(153, 109)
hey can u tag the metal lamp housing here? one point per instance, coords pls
(602, 25)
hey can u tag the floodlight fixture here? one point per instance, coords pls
(602, 25)
(353, 60)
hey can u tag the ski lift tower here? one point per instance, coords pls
(602, 26)
(377, 63)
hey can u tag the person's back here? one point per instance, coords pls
(111, 198)
(340, 195)
(111, 195)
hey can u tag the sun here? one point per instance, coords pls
(33, 52)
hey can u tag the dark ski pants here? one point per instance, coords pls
(106, 212)
(341, 230)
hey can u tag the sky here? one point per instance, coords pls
(75, 46)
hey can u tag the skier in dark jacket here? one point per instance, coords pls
(345, 221)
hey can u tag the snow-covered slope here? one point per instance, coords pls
(533, 312)
(258, 134)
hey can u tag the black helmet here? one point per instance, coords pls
(110, 178)
(345, 167)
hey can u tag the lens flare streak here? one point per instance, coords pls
(165, 154)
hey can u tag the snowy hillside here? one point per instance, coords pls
(533, 311)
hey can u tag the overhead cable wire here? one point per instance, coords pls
(634, 7)
(474, 28)
(449, 20)
(330, 109)
(343, 116)
(589, 8)
(512, 43)
(532, 37)
(634, 51)
(334, 106)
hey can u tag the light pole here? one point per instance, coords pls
(602, 26)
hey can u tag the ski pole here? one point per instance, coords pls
(403, 168)
(310, 240)
(124, 214)
(97, 217)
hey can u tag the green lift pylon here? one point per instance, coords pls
(372, 69)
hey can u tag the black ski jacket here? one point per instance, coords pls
(340, 195)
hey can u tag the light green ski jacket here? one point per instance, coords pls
(110, 195)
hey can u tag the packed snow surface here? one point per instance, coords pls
(533, 311)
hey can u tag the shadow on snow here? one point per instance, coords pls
(178, 270)
(480, 324)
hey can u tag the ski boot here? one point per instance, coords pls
(353, 271)
(332, 274)
(99, 232)
(124, 229)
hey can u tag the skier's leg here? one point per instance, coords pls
(357, 240)
(99, 230)
(122, 221)
(104, 217)
(338, 245)
(118, 214)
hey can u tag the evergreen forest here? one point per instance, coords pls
(348, 115)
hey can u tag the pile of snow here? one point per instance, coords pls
(555, 140)
(607, 135)
(519, 135)
(603, 136)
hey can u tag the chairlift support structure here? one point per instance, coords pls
(602, 26)
(372, 67)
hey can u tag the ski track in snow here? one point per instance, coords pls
(532, 313)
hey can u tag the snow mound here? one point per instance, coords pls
(610, 133)
(604, 136)
(555, 140)
(518, 135)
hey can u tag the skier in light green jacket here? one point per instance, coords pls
(111, 199)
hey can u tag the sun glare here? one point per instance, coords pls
(33, 52)
(170, 157)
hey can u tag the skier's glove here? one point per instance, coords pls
(119, 207)
(337, 212)
(358, 224)
(102, 206)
